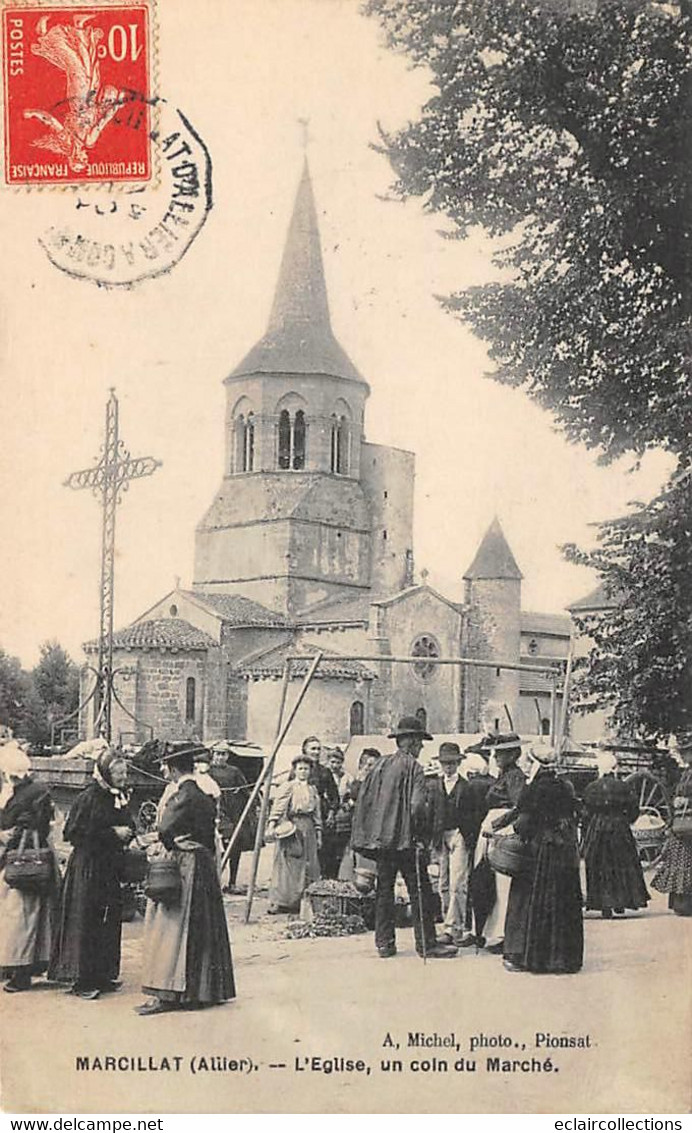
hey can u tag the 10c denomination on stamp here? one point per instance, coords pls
(77, 94)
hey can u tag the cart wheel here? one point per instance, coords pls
(146, 817)
(654, 800)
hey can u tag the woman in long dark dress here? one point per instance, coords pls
(26, 916)
(674, 873)
(86, 949)
(614, 877)
(187, 954)
(544, 930)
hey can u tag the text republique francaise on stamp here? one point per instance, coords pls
(75, 80)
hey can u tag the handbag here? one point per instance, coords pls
(511, 855)
(164, 883)
(681, 825)
(29, 868)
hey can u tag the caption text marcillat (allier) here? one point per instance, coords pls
(417, 1052)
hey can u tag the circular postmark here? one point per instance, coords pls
(120, 235)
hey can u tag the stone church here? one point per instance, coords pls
(308, 545)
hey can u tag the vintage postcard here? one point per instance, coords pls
(325, 327)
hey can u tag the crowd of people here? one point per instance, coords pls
(495, 826)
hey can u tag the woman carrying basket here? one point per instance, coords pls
(26, 914)
(295, 825)
(544, 931)
(187, 953)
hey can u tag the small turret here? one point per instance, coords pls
(493, 631)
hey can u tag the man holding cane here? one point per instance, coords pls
(390, 824)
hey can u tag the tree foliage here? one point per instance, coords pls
(562, 129)
(31, 701)
(642, 644)
(566, 134)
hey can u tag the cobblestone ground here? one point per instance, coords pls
(334, 999)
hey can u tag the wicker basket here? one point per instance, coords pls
(649, 829)
(345, 903)
(510, 855)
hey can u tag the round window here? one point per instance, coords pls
(425, 646)
(173, 611)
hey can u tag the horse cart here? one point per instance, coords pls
(651, 772)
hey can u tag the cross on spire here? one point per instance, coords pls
(304, 124)
(108, 479)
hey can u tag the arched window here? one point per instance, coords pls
(284, 439)
(292, 438)
(422, 718)
(425, 646)
(190, 697)
(340, 445)
(249, 454)
(299, 440)
(545, 726)
(356, 723)
(244, 455)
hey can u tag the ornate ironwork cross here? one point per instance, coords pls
(107, 480)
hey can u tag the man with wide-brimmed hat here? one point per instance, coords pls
(390, 824)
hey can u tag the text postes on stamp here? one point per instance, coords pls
(120, 237)
(75, 80)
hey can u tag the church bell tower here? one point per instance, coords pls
(290, 524)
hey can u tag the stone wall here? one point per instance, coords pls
(492, 633)
(324, 711)
(387, 477)
(418, 613)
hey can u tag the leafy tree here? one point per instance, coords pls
(56, 684)
(31, 701)
(15, 686)
(561, 128)
(564, 133)
(642, 645)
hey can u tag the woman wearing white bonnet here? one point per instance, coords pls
(26, 918)
(614, 878)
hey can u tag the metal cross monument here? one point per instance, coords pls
(107, 479)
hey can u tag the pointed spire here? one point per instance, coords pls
(494, 558)
(301, 291)
(299, 337)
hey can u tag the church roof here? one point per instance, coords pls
(158, 633)
(267, 496)
(598, 599)
(270, 663)
(236, 610)
(299, 338)
(494, 558)
(338, 611)
(552, 625)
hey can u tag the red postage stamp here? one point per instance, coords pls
(77, 94)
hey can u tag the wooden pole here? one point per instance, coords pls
(562, 729)
(553, 704)
(264, 809)
(538, 714)
(277, 744)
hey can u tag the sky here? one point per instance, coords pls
(244, 74)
